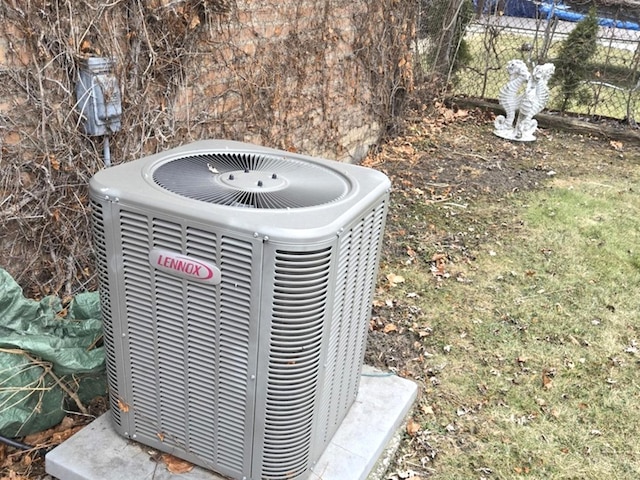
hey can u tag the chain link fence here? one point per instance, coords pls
(468, 44)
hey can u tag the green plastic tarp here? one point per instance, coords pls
(43, 346)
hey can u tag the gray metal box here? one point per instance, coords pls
(236, 285)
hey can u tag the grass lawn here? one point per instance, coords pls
(509, 292)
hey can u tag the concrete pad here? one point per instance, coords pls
(367, 434)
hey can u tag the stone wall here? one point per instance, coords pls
(319, 77)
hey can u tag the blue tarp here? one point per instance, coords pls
(549, 9)
(563, 12)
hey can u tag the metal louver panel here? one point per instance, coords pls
(298, 312)
(189, 342)
(251, 181)
(100, 246)
(169, 312)
(140, 325)
(362, 290)
(234, 404)
(357, 261)
(202, 347)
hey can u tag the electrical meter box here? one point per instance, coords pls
(98, 96)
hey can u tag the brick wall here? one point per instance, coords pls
(305, 75)
(275, 73)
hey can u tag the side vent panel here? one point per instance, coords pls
(100, 247)
(300, 290)
(357, 263)
(203, 347)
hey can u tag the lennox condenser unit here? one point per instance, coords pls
(236, 286)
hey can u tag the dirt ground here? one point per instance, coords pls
(444, 157)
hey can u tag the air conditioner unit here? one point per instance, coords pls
(236, 284)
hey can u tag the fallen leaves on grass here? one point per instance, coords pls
(394, 280)
(433, 240)
(413, 427)
(390, 327)
(438, 265)
(427, 410)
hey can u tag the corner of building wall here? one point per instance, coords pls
(358, 141)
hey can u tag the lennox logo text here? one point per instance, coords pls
(183, 266)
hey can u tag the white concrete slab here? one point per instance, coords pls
(383, 401)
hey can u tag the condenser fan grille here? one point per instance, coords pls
(251, 180)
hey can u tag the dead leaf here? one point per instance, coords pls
(85, 46)
(438, 267)
(122, 405)
(55, 163)
(546, 380)
(616, 145)
(176, 465)
(390, 327)
(427, 409)
(413, 427)
(195, 21)
(12, 138)
(394, 279)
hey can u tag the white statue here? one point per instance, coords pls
(525, 95)
(511, 93)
